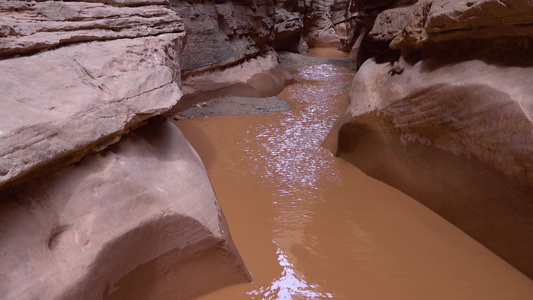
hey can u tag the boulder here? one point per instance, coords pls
(448, 120)
(102, 70)
(136, 221)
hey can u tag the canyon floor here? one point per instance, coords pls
(310, 225)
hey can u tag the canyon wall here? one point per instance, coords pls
(138, 220)
(101, 198)
(444, 114)
(230, 45)
(303, 24)
(95, 203)
(229, 50)
(78, 75)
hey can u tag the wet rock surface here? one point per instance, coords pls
(233, 105)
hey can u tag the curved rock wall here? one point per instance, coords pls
(119, 224)
(447, 117)
(360, 18)
(303, 24)
(81, 218)
(224, 33)
(229, 50)
(225, 36)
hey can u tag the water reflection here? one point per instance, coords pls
(289, 151)
(290, 285)
(309, 232)
(290, 145)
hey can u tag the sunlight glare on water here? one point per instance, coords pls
(290, 145)
(290, 285)
(289, 150)
(311, 226)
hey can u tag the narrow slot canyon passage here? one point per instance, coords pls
(310, 225)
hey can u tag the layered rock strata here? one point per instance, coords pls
(39, 25)
(223, 34)
(137, 221)
(229, 50)
(303, 24)
(448, 119)
(360, 18)
(82, 218)
(61, 104)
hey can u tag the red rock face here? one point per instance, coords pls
(303, 24)
(76, 77)
(101, 71)
(139, 220)
(37, 26)
(448, 120)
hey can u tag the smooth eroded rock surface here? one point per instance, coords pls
(448, 119)
(256, 77)
(137, 221)
(440, 20)
(61, 104)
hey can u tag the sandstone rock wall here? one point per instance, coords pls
(81, 218)
(225, 36)
(429, 22)
(360, 18)
(229, 50)
(98, 73)
(224, 33)
(303, 24)
(126, 223)
(447, 116)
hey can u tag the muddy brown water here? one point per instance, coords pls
(312, 226)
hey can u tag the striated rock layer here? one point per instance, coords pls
(137, 221)
(229, 50)
(224, 33)
(302, 24)
(38, 25)
(448, 119)
(61, 104)
(256, 77)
